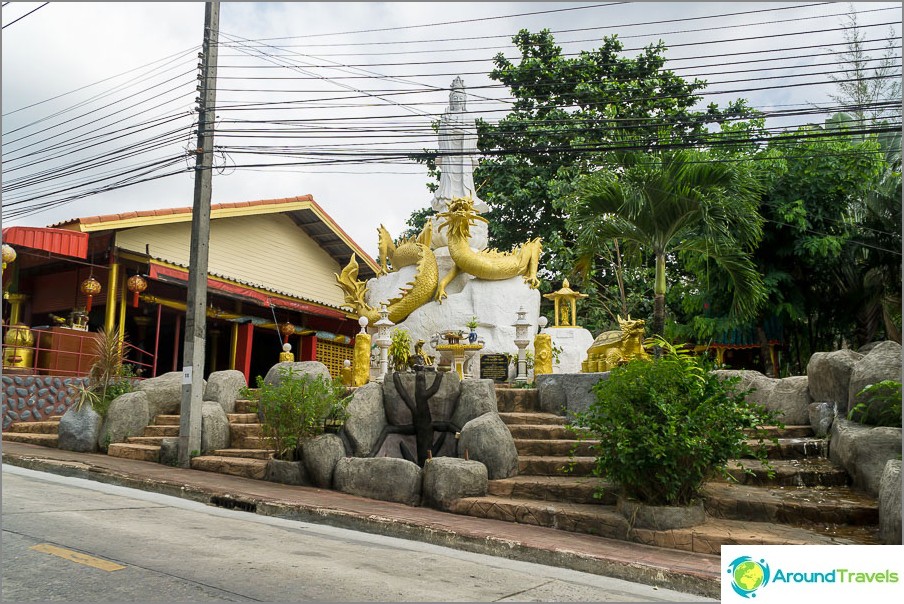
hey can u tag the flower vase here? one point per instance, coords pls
(472, 337)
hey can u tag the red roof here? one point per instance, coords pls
(56, 241)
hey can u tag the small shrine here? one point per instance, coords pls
(565, 301)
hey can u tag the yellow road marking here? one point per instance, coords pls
(78, 557)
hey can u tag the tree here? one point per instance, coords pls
(676, 201)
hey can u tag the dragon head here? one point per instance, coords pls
(459, 217)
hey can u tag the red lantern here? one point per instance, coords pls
(90, 287)
(136, 285)
(286, 329)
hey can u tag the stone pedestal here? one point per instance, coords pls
(574, 342)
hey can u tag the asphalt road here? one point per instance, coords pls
(69, 539)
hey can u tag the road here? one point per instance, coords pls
(80, 541)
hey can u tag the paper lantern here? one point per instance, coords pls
(9, 255)
(90, 287)
(136, 285)
(286, 329)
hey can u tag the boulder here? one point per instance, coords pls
(224, 387)
(366, 419)
(477, 397)
(300, 368)
(442, 404)
(169, 451)
(760, 384)
(286, 472)
(821, 417)
(383, 478)
(78, 430)
(488, 440)
(829, 375)
(882, 363)
(127, 416)
(890, 503)
(164, 393)
(448, 478)
(214, 427)
(863, 451)
(320, 455)
(568, 393)
(791, 398)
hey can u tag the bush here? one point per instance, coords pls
(295, 410)
(109, 376)
(666, 426)
(878, 404)
(399, 350)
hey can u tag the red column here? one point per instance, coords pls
(243, 350)
(308, 350)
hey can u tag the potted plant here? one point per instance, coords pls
(666, 426)
(472, 326)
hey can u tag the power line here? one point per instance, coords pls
(25, 15)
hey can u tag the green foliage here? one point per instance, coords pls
(399, 350)
(668, 425)
(109, 376)
(879, 405)
(295, 409)
(472, 323)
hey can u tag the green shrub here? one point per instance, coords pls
(666, 426)
(109, 376)
(399, 350)
(878, 404)
(295, 410)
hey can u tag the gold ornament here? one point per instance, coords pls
(361, 363)
(9, 255)
(565, 301)
(286, 329)
(542, 354)
(613, 348)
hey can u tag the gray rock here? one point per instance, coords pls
(78, 430)
(890, 503)
(569, 393)
(882, 363)
(791, 398)
(164, 393)
(127, 416)
(299, 368)
(169, 451)
(488, 440)
(448, 478)
(224, 387)
(762, 385)
(214, 427)
(829, 375)
(383, 478)
(320, 457)
(821, 417)
(866, 348)
(477, 397)
(442, 404)
(286, 472)
(863, 451)
(366, 419)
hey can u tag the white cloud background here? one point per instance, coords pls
(66, 46)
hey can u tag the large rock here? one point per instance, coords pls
(882, 363)
(78, 430)
(477, 398)
(448, 478)
(829, 375)
(299, 368)
(760, 384)
(890, 503)
(488, 440)
(366, 419)
(169, 451)
(384, 478)
(791, 398)
(286, 472)
(568, 393)
(127, 416)
(821, 417)
(320, 455)
(224, 387)
(214, 427)
(164, 393)
(863, 451)
(442, 404)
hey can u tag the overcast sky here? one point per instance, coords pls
(374, 89)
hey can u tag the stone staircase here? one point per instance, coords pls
(147, 446)
(807, 501)
(248, 452)
(44, 433)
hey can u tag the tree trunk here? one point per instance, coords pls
(659, 296)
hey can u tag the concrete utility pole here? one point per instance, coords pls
(196, 311)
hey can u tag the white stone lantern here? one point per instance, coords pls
(522, 339)
(383, 340)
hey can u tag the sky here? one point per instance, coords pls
(90, 90)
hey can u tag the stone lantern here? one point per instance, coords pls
(383, 340)
(522, 339)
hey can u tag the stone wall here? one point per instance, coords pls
(31, 398)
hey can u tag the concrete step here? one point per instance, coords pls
(161, 430)
(795, 448)
(542, 465)
(517, 400)
(543, 431)
(244, 430)
(247, 453)
(573, 489)
(32, 438)
(166, 420)
(233, 466)
(45, 427)
(555, 447)
(242, 418)
(146, 440)
(54, 418)
(795, 506)
(245, 406)
(808, 472)
(787, 431)
(549, 419)
(252, 442)
(141, 452)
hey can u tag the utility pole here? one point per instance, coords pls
(196, 311)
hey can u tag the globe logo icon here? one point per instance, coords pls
(748, 575)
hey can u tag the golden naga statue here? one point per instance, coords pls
(413, 251)
(542, 354)
(613, 348)
(487, 264)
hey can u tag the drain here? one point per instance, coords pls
(233, 504)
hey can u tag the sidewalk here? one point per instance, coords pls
(679, 570)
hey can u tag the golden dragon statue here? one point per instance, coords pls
(407, 252)
(487, 264)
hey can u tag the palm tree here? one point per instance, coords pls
(667, 202)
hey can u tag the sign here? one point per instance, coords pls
(494, 367)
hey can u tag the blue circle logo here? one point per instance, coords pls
(748, 575)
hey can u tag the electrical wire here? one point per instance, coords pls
(25, 15)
